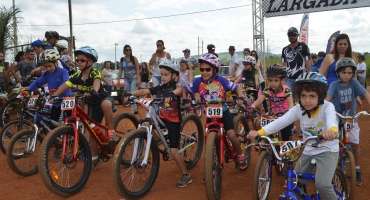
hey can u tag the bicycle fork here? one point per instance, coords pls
(138, 147)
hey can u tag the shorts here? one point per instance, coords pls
(145, 85)
(173, 133)
(354, 135)
(95, 111)
(227, 120)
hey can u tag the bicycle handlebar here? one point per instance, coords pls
(354, 116)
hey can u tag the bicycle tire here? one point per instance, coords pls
(6, 135)
(191, 161)
(15, 160)
(241, 122)
(349, 171)
(212, 170)
(339, 182)
(119, 169)
(262, 166)
(131, 126)
(51, 176)
(15, 106)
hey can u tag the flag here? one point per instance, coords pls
(303, 32)
(331, 41)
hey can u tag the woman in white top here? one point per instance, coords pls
(107, 77)
(156, 59)
(261, 75)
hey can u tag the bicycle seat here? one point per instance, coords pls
(234, 111)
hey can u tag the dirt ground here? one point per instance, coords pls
(236, 184)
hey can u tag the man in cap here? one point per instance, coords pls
(211, 49)
(234, 58)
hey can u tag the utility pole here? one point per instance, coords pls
(70, 30)
(202, 47)
(115, 56)
(15, 32)
(198, 47)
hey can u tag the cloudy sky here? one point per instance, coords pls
(222, 28)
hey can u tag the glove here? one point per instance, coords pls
(93, 93)
(25, 93)
(171, 95)
(127, 94)
(239, 98)
(185, 101)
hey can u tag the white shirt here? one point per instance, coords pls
(234, 58)
(361, 66)
(239, 68)
(259, 67)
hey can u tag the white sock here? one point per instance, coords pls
(94, 158)
(357, 167)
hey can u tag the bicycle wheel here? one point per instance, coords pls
(22, 159)
(340, 184)
(212, 170)
(136, 179)
(124, 123)
(350, 172)
(262, 177)
(241, 128)
(191, 132)
(64, 176)
(11, 129)
(10, 110)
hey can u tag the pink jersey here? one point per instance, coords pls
(278, 101)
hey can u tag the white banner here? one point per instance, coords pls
(273, 8)
(303, 32)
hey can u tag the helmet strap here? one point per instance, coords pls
(308, 112)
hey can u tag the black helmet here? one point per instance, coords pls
(276, 70)
(51, 34)
(345, 62)
(293, 30)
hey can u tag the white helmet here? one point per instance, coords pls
(249, 59)
(170, 65)
(49, 55)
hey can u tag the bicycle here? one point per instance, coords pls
(133, 179)
(347, 159)
(69, 172)
(293, 189)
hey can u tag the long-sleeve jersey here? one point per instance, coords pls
(323, 119)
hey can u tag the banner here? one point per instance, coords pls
(303, 32)
(273, 8)
(331, 41)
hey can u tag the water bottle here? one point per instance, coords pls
(98, 132)
(165, 134)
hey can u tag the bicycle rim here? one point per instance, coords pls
(241, 128)
(212, 170)
(350, 172)
(262, 177)
(9, 130)
(339, 183)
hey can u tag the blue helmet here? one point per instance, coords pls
(311, 77)
(88, 51)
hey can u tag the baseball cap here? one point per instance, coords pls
(186, 50)
(211, 46)
(293, 30)
(37, 43)
(231, 48)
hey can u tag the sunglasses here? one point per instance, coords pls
(292, 34)
(83, 60)
(127, 50)
(205, 69)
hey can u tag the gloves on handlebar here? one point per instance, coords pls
(171, 95)
(239, 98)
(185, 101)
(93, 93)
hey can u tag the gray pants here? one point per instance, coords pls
(361, 81)
(326, 163)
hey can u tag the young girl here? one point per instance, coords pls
(171, 117)
(279, 95)
(144, 76)
(212, 87)
(100, 103)
(186, 73)
(317, 117)
(250, 74)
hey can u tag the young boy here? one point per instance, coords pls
(171, 116)
(316, 117)
(342, 94)
(212, 87)
(100, 103)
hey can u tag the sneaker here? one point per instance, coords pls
(242, 162)
(184, 181)
(358, 177)
(56, 153)
(95, 163)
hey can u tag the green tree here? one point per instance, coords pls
(7, 25)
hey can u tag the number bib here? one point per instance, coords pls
(145, 102)
(266, 119)
(68, 103)
(348, 125)
(32, 100)
(288, 146)
(214, 111)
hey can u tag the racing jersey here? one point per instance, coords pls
(278, 101)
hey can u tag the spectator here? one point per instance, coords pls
(192, 62)
(38, 47)
(159, 56)
(233, 59)
(211, 49)
(239, 67)
(25, 67)
(144, 76)
(107, 77)
(18, 58)
(296, 59)
(52, 38)
(315, 67)
(67, 59)
(361, 70)
(261, 76)
(313, 58)
(2, 69)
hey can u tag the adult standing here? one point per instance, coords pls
(159, 56)
(342, 48)
(2, 69)
(261, 76)
(192, 62)
(25, 67)
(52, 38)
(211, 49)
(107, 77)
(361, 70)
(130, 65)
(233, 59)
(18, 58)
(296, 59)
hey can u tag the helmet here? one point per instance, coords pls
(51, 34)
(88, 51)
(276, 70)
(311, 77)
(171, 65)
(212, 60)
(249, 59)
(293, 30)
(345, 62)
(49, 55)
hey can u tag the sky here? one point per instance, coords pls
(221, 28)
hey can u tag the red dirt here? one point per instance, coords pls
(236, 184)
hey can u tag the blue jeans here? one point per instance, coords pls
(290, 83)
(108, 88)
(156, 80)
(130, 85)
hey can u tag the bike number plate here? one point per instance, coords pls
(68, 103)
(348, 125)
(265, 119)
(32, 100)
(214, 111)
(289, 145)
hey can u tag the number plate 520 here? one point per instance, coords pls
(68, 103)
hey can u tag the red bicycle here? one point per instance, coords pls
(65, 157)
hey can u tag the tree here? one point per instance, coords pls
(7, 25)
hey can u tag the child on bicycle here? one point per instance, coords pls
(250, 74)
(171, 116)
(212, 87)
(279, 95)
(342, 94)
(100, 103)
(317, 117)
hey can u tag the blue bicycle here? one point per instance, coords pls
(294, 189)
